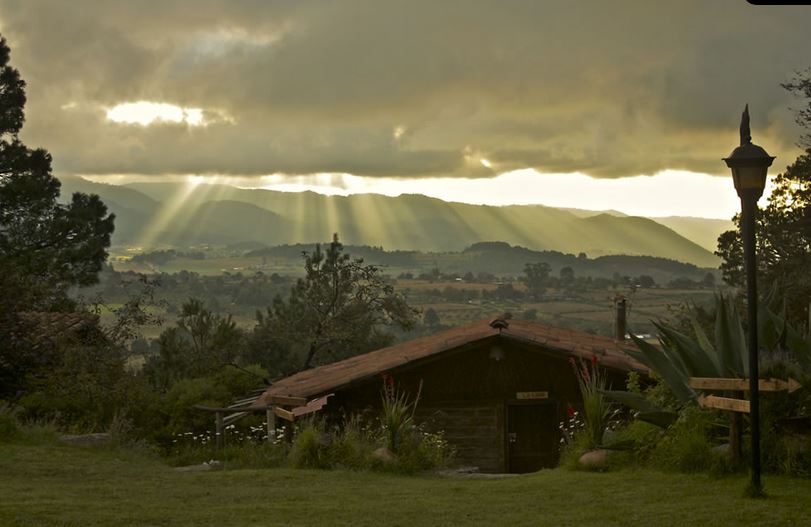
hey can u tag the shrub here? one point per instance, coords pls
(421, 451)
(310, 447)
(686, 445)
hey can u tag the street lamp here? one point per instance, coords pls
(749, 163)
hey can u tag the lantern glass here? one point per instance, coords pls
(750, 177)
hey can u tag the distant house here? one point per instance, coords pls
(498, 390)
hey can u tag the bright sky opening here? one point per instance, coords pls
(668, 193)
(145, 113)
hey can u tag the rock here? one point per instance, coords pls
(385, 455)
(594, 459)
(202, 467)
(721, 449)
(87, 439)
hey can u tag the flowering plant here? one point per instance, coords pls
(571, 427)
(596, 410)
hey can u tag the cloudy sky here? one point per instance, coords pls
(540, 101)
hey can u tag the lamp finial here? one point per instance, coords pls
(746, 134)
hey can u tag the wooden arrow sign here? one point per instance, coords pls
(764, 385)
(287, 415)
(285, 400)
(724, 403)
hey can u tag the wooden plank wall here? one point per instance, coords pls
(474, 429)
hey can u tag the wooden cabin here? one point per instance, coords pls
(498, 389)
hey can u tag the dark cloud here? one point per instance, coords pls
(408, 88)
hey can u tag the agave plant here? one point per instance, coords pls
(398, 413)
(681, 356)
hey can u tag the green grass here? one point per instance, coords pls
(52, 485)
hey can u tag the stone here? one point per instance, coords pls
(385, 455)
(594, 459)
(202, 467)
(721, 449)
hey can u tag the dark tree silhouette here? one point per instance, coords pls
(45, 247)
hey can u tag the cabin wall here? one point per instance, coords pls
(467, 393)
(475, 429)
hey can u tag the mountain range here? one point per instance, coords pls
(151, 215)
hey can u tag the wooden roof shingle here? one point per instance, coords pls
(333, 377)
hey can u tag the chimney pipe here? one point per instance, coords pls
(620, 319)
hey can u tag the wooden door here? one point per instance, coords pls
(532, 437)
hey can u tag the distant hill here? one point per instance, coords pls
(180, 214)
(502, 259)
(703, 231)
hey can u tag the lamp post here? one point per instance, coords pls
(749, 163)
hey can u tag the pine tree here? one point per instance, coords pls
(45, 246)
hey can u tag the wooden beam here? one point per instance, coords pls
(724, 403)
(286, 400)
(287, 415)
(731, 384)
(234, 418)
(219, 431)
(227, 409)
(271, 424)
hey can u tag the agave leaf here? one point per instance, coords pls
(625, 444)
(695, 359)
(661, 363)
(632, 400)
(705, 344)
(771, 328)
(799, 346)
(661, 419)
(646, 410)
(730, 340)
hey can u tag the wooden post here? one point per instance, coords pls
(220, 431)
(271, 423)
(735, 435)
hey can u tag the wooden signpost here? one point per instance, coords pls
(724, 403)
(764, 385)
(737, 385)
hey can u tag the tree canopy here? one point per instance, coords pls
(46, 247)
(340, 308)
(783, 228)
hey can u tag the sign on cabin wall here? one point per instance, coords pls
(532, 395)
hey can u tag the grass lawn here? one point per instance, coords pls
(83, 486)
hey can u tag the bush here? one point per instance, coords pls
(352, 444)
(173, 414)
(310, 448)
(9, 430)
(686, 445)
(421, 451)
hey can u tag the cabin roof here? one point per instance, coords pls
(568, 342)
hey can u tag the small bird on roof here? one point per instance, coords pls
(499, 323)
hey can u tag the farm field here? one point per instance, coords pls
(60, 485)
(589, 311)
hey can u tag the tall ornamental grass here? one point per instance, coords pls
(596, 409)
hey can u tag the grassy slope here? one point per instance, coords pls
(65, 486)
